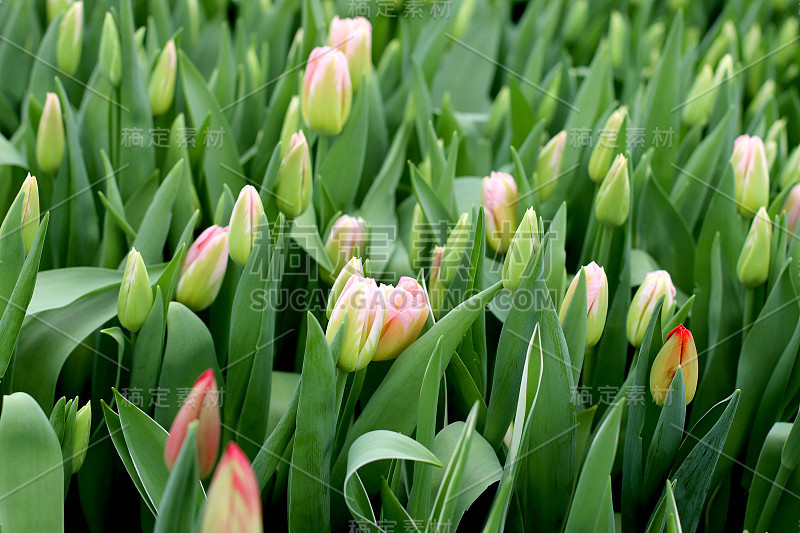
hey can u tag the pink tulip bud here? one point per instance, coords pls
(655, 284)
(347, 233)
(203, 269)
(596, 301)
(792, 208)
(406, 312)
(234, 502)
(678, 350)
(364, 305)
(499, 195)
(202, 405)
(354, 38)
(751, 174)
(327, 92)
(244, 225)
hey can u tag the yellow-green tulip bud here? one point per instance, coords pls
(678, 351)
(500, 196)
(548, 166)
(753, 265)
(161, 88)
(617, 39)
(364, 305)
(30, 211)
(722, 43)
(110, 51)
(576, 20)
(613, 199)
(419, 238)
(135, 293)
(702, 95)
(347, 234)
(327, 92)
(50, 135)
(775, 142)
(234, 502)
(80, 439)
(751, 174)
(454, 250)
(354, 267)
(548, 103)
(751, 44)
(523, 247)
(70, 39)
(203, 269)
(354, 38)
(791, 206)
(56, 7)
(291, 123)
(596, 301)
(293, 188)
(790, 174)
(786, 47)
(603, 152)
(655, 284)
(436, 289)
(244, 225)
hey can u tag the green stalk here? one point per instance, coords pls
(749, 305)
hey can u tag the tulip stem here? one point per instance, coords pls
(341, 380)
(749, 303)
(604, 245)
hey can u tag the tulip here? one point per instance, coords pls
(678, 351)
(244, 224)
(70, 39)
(202, 404)
(775, 142)
(327, 93)
(203, 269)
(790, 174)
(786, 47)
(436, 289)
(548, 103)
(293, 189)
(523, 247)
(30, 211)
(406, 313)
(600, 161)
(346, 234)
(454, 249)
(50, 135)
(751, 174)
(291, 123)
(110, 52)
(548, 166)
(161, 88)
(234, 502)
(135, 293)
(419, 238)
(576, 20)
(364, 305)
(80, 440)
(499, 195)
(613, 199)
(655, 284)
(596, 301)
(354, 267)
(617, 41)
(702, 95)
(55, 8)
(354, 38)
(791, 207)
(753, 265)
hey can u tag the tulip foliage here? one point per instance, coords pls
(399, 266)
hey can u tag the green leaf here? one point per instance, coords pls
(574, 326)
(12, 250)
(269, 456)
(666, 439)
(32, 484)
(435, 211)
(154, 229)
(148, 352)
(10, 155)
(179, 502)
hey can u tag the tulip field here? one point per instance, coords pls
(399, 266)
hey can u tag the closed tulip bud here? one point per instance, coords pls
(786, 47)
(722, 43)
(548, 166)
(791, 206)
(702, 95)
(80, 440)
(576, 20)
(678, 351)
(499, 195)
(419, 238)
(751, 43)
(291, 123)
(454, 249)
(70, 39)
(245, 221)
(234, 502)
(405, 315)
(603, 152)
(202, 405)
(548, 104)
(203, 269)
(617, 39)
(364, 305)
(50, 135)
(30, 211)
(753, 265)
(596, 301)
(656, 284)
(354, 267)
(135, 293)
(161, 88)
(354, 38)
(293, 190)
(523, 247)
(346, 234)
(613, 199)
(751, 174)
(790, 174)
(775, 142)
(436, 289)
(110, 54)
(327, 92)
(55, 8)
